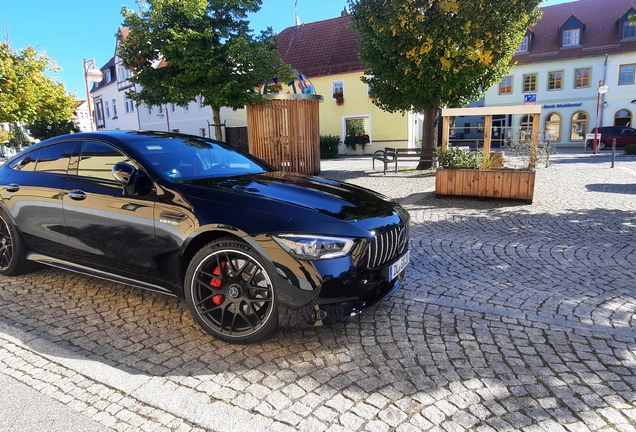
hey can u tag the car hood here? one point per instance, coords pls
(336, 199)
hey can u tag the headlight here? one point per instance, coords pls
(306, 247)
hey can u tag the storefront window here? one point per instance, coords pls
(623, 118)
(579, 126)
(525, 132)
(553, 127)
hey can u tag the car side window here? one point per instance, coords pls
(97, 160)
(26, 162)
(55, 158)
(628, 131)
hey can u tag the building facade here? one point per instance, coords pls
(575, 50)
(326, 53)
(115, 110)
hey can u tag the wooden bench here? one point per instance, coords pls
(392, 155)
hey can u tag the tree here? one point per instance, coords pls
(27, 94)
(42, 130)
(425, 54)
(180, 49)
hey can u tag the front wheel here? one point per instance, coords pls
(601, 145)
(230, 293)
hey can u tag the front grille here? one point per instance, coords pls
(387, 246)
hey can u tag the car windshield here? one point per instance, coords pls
(187, 158)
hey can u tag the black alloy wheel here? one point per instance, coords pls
(230, 292)
(601, 145)
(12, 249)
(6, 246)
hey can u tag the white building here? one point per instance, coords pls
(114, 110)
(561, 63)
(81, 116)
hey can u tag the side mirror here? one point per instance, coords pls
(124, 173)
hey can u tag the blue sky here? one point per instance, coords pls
(73, 30)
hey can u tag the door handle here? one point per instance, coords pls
(12, 187)
(77, 195)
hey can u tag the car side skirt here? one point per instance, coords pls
(65, 265)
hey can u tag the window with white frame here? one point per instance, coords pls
(150, 110)
(626, 74)
(173, 107)
(107, 76)
(187, 107)
(523, 45)
(201, 102)
(129, 105)
(106, 109)
(571, 37)
(338, 89)
(202, 132)
(357, 131)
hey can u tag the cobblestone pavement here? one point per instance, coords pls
(512, 317)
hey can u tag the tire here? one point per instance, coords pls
(12, 249)
(229, 291)
(601, 145)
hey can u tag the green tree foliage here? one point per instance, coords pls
(426, 54)
(42, 130)
(179, 49)
(27, 94)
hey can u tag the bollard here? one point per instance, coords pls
(613, 151)
(547, 154)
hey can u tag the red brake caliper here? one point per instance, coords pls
(216, 283)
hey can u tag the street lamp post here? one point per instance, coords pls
(92, 74)
(602, 89)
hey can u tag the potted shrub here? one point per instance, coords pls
(465, 173)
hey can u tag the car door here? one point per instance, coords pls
(107, 229)
(32, 193)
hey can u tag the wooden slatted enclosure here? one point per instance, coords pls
(285, 132)
(485, 183)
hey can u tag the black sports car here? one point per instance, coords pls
(247, 246)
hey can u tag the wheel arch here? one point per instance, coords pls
(208, 234)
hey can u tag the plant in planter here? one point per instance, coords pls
(351, 141)
(467, 173)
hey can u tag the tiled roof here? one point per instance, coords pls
(330, 47)
(321, 48)
(600, 36)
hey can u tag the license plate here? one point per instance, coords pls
(399, 266)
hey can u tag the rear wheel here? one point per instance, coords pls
(12, 249)
(229, 292)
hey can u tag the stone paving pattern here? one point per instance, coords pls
(511, 317)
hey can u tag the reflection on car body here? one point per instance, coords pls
(246, 246)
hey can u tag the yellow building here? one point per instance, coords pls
(326, 53)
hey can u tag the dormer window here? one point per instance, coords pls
(523, 45)
(629, 30)
(571, 37)
(107, 76)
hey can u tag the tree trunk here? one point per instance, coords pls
(216, 117)
(429, 138)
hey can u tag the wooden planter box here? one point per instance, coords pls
(511, 184)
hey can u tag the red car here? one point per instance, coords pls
(622, 134)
